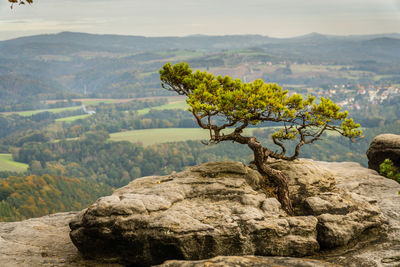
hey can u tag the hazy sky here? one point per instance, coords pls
(276, 18)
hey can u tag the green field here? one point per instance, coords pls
(172, 105)
(156, 136)
(53, 110)
(97, 102)
(181, 53)
(58, 110)
(8, 164)
(379, 77)
(73, 118)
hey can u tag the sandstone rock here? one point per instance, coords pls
(44, 241)
(220, 209)
(249, 261)
(341, 217)
(305, 180)
(382, 147)
(41, 242)
(209, 210)
(382, 248)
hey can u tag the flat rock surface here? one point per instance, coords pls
(382, 251)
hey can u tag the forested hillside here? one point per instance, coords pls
(23, 197)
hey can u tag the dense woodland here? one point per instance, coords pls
(117, 163)
(23, 197)
(71, 163)
(92, 158)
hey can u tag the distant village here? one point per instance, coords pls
(351, 99)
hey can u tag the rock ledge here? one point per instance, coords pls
(45, 241)
(221, 209)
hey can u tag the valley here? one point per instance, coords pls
(130, 127)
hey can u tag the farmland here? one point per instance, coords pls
(73, 118)
(53, 110)
(8, 164)
(164, 135)
(179, 104)
(155, 136)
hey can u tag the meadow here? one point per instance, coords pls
(8, 164)
(86, 101)
(73, 118)
(53, 110)
(94, 102)
(179, 104)
(164, 135)
(155, 136)
(173, 104)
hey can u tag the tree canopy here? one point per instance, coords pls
(239, 105)
(225, 107)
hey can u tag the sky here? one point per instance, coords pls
(274, 18)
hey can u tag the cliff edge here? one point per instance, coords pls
(346, 215)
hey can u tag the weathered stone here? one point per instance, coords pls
(305, 180)
(41, 242)
(249, 261)
(220, 209)
(342, 217)
(44, 241)
(382, 246)
(209, 210)
(382, 147)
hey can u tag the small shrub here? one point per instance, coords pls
(388, 170)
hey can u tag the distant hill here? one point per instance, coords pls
(320, 48)
(69, 42)
(42, 66)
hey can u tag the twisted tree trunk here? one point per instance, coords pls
(276, 177)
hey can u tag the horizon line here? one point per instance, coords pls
(204, 35)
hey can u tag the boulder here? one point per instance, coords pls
(382, 147)
(341, 215)
(221, 209)
(45, 241)
(249, 261)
